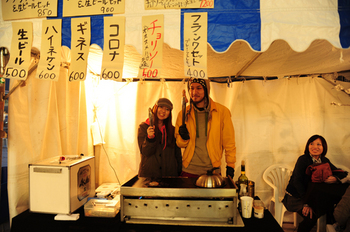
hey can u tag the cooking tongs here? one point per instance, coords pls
(183, 103)
(151, 117)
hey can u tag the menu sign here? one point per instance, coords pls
(80, 44)
(178, 4)
(50, 57)
(152, 46)
(79, 8)
(24, 9)
(113, 48)
(21, 45)
(195, 44)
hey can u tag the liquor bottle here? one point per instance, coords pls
(243, 181)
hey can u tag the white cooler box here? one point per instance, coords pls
(61, 187)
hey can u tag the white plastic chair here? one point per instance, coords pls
(277, 176)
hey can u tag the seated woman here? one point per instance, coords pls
(160, 156)
(312, 200)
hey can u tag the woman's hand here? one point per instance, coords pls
(306, 211)
(150, 132)
(331, 180)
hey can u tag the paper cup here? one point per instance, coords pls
(247, 205)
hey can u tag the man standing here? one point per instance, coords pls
(208, 132)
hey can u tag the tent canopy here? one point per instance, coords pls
(272, 120)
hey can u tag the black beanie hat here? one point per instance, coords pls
(203, 82)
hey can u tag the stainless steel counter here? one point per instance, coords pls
(178, 201)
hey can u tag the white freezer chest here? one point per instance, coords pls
(61, 187)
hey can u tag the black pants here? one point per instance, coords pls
(322, 198)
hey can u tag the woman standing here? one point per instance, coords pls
(312, 200)
(160, 156)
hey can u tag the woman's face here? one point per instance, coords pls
(163, 112)
(316, 148)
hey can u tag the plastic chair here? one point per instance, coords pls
(277, 176)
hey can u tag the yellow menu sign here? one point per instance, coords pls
(50, 56)
(25, 9)
(195, 44)
(80, 44)
(113, 48)
(178, 4)
(152, 46)
(21, 45)
(79, 8)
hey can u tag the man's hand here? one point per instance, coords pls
(184, 132)
(230, 171)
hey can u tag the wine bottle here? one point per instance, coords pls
(243, 181)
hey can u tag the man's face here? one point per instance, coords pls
(197, 94)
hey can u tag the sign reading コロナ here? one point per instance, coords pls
(113, 48)
(21, 45)
(195, 44)
(25, 9)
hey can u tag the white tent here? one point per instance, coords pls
(272, 118)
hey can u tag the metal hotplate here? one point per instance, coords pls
(175, 187)
(178, 201)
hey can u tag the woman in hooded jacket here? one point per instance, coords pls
(312, 200)
(160, 156)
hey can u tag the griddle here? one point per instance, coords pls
(178, 201)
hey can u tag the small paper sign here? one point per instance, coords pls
(50, 56)
(21, 45)
(195, 44)
(25, 9)
(80, 8)
(178, 4)
(80, 44)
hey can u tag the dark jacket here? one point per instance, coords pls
(299, 180)
(342, 211)
(157, 161)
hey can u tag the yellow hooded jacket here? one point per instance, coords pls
(220, 136)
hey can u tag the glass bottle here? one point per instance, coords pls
(243, 181)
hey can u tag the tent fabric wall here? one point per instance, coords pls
(46, 119)
(272, 120)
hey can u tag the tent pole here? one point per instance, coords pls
(248, 64)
